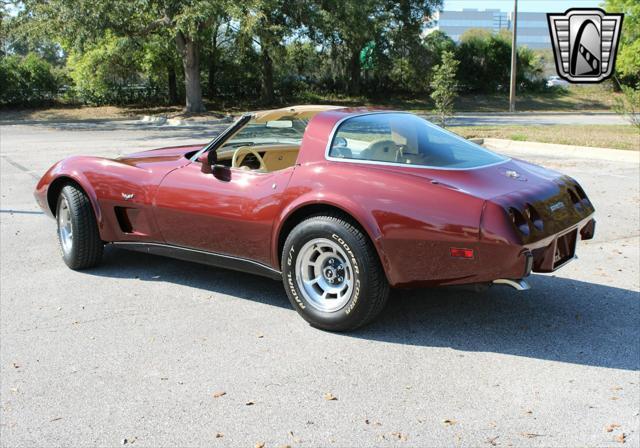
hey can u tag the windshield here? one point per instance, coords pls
(271, 132)
(402, 138)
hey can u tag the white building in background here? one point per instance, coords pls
(533, 30)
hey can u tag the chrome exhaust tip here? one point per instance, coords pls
(519, 284)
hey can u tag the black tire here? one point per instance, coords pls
(85, 248)
(370, 291)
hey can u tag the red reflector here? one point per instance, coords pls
(461, 253)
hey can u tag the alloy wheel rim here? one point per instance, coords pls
(65, 227)
(324, 275)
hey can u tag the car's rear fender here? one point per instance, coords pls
(316, 202)
(411, 222)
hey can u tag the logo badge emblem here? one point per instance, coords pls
(556, 206)
(585, 42)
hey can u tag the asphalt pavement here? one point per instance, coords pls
(148, 351)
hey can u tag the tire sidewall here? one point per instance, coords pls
(64, 194)
(353, 311)
(70, 258)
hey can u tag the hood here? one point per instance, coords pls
(173, 155)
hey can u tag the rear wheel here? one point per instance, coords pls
(77, 229)
(332, 274)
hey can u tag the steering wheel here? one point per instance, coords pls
(243, 149)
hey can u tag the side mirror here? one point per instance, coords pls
(209, 165)
(205, 166)
(208, 159)
(222, 172)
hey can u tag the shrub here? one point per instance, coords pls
(628, 105)
(486, 57)
(27, 80)
(445, 86)
(109, 72)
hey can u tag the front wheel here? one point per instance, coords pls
(77, 229)
(332, 274)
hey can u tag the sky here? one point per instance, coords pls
(523, 5)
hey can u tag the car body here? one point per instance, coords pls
(556, 81)
(470, 217)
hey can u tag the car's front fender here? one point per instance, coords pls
(67, 170)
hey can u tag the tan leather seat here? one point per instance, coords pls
(381, 150)
(280, 159)
(276, 157)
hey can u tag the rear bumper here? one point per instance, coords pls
(555, 251)
(502, 260)
(495, 259)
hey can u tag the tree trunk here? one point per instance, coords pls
(354, 68)
(173, 87)
(267, 77)
(189, 51)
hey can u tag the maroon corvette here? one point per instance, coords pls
(340, 204)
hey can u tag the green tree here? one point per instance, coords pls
(411, 60)
(218, 42)
(445, 86)
(628, 60)
(3, 27)
(78, 22)
(104, 71)
(437, 43)
(267, 23)
(349, 26)
(486, 57)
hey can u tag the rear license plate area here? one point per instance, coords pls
(565, 248)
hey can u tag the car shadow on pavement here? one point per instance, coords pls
(121, 263)
(559, 319)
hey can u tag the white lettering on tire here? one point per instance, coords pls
(356, 269)
(290, 281)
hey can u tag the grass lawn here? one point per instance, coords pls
(64, 112)
(602, 136)
(575, 99)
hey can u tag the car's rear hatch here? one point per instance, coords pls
(536, 201)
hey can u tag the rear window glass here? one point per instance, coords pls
(406, 139)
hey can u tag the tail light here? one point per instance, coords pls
(581, 194)
(575, 199)
(459, 252)
(519, 221)
(533, 216)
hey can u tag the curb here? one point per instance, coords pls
(153, 119)
(161, 120)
